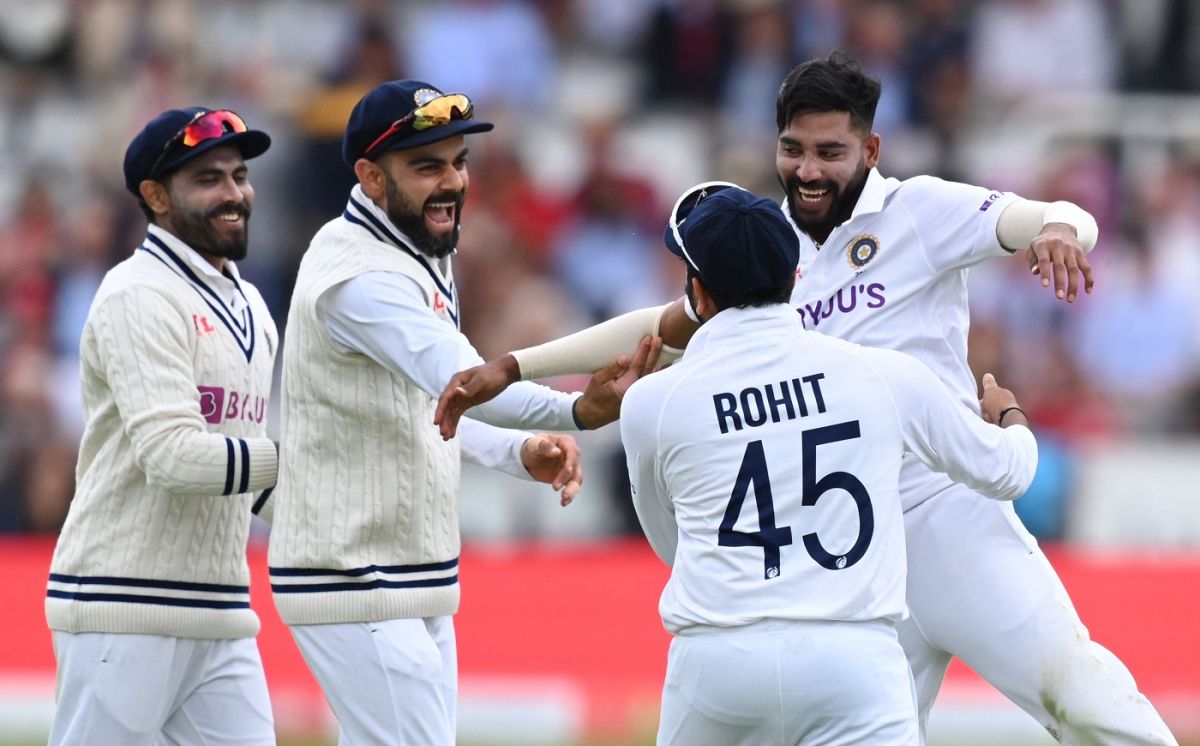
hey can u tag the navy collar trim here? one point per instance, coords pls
(366, 219)
(241, 329)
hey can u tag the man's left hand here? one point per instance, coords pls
(554, 459)
(601, 400)
(1056, 252)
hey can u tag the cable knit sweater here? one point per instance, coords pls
(176, 368)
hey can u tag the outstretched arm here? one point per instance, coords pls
(1056, 237)
(599, 405)
(583, 352)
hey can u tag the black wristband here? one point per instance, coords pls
(1006, 410)
(575, 415)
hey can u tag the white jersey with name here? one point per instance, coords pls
(895, 276)
(765, 469)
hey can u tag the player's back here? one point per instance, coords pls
(780, 452)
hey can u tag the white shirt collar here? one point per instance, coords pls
(732, 322)
(874, 193)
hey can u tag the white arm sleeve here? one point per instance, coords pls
(949, 437)
(385, 316)
(591, 349)
(639, 433)
(1022, 220)
(493, 447)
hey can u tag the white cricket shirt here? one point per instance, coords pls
(765, 469)
(895, 276)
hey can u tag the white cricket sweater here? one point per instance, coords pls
(366, 522)
(176, 365)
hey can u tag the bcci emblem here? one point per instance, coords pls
(424, 96)
(862, 250)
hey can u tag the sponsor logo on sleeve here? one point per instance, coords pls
(991, 200)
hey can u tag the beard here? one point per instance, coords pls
(841, 206)
(410, 219)
(196, 229)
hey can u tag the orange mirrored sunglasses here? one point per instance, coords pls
(206, 125)
(435, 113)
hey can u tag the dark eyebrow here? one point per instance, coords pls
(433, 160)
(827, 145)
(215, 171)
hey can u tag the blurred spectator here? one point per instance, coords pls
(686, 52)
(761, 57)
(501, 51)
(878, 38)
(1138, 340)
(606, 254)
(1026, 48)
(819, 27)
(321, 179)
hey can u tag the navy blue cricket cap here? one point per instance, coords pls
(398, 115)
(736, 241)
(160, 148)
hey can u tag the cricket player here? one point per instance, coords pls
(765, 470)
(884, 263)
(365, 546)
(149, 597)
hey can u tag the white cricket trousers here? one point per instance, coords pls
(980, 588)
(817, 683)
(139, 690)
(389, 683)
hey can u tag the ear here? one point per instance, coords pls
(871, 150)
(156, 196)
(370, 175)
(705, 307)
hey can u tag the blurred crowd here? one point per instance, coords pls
(605, 111)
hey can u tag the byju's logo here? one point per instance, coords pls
(212, 403)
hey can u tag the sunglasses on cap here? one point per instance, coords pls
(687, 202)
(435, 113)
(206, 125)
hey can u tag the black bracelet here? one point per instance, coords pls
(575, 415)
(1006, 410)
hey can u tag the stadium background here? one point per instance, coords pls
(605, 111)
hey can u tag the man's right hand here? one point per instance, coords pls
(471, 387)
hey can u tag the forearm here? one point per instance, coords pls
(183, 459)
(529, 405)
(591, 349)
(1024, 219)
(493, 447)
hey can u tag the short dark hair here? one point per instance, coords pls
(833, 83)
(752, 299)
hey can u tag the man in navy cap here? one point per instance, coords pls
(765, 469)
(148, 596)
(364, 549)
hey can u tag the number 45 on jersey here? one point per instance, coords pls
(770, 537)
